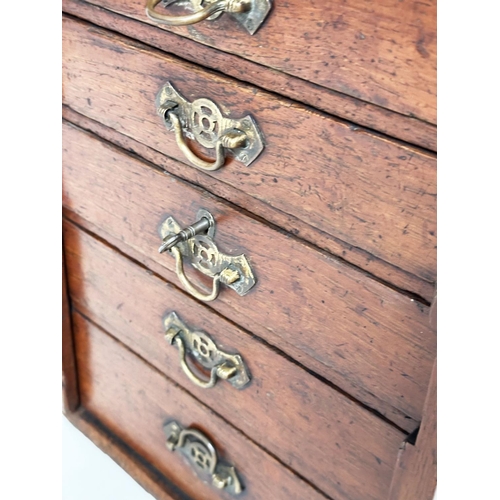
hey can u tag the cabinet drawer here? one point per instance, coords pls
(383, 53)
(134, 401)
(327, 438)
(366, 338)
(371, 194)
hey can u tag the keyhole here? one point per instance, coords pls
(205, 122)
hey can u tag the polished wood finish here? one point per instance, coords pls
(337, 218)
(383, 53)
(415, 477)
(362, 189)
(134, 401)
(362, 259)
(406, 128)
(338, 442)
(366, 338)
(69, 377)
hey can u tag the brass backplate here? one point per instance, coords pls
(202, 253)
(203, 121)
(204, 350)
(255, 16)
(251, 19)
(201, 455)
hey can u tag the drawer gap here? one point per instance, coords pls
(201, 403)
(407, 293)
(250, 334)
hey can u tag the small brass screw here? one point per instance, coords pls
(220, 482)
(229, 276)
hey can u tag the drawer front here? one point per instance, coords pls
(354, 186)
(383, 53)
(363, 336)
(327, 438)
(134, 401)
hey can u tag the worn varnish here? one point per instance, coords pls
(364, 190)
(377, 267)
(383, 53)
(368, 339)
(337, 218)
(321, 434)
(134, 401)
(406, 128)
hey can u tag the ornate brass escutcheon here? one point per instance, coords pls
(195, 245)
(249, 13)
(199, 452)
(203, 349)
(203, 121)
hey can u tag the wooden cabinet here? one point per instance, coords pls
(336, 217)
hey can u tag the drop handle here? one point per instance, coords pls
(249, 13)
(201, 347)
(195, 245)
(203, 121)
(230, 139)
(198, 450)
(217, 7)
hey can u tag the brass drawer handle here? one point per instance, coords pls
(231, 139)
(200, 345)
(179, 269)
(200, 453)
(195, 244)
(202, 120)
(249, 13)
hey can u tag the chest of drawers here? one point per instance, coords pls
(286, 350)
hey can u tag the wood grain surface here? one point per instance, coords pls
(134, 401)
(325, 437)
(362, 189)
(378, 268)
(406, 128)
(415, 476)
(383, 52)
(366, 338)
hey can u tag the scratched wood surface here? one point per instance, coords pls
(366, 338)
(381, 52)
(339, 441)
(376, 267)
(134, 401)
(406, 128)
(364, 190)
